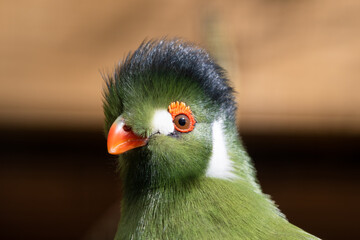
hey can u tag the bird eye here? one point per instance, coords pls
(183, 118)
(182, 122)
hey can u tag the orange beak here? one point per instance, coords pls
(121, 138)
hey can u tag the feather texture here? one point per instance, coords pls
(199, 184)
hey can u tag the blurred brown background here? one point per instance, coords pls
(294, 64)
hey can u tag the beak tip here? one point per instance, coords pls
(112, 150)
(121, 140)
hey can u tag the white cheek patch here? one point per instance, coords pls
(220, 165)
(162, 122)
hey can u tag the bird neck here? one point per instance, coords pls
(229, 160)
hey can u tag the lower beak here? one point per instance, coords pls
(121, 138)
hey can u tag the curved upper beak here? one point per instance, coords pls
(121, 138)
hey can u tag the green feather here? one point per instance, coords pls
(205, 209)
(166, 193)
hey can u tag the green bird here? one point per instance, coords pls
(170, 116)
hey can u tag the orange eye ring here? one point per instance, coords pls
(182, 116)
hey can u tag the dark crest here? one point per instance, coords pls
(183, 59)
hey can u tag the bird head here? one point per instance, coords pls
(160, 105)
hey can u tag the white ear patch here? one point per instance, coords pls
(220, 165)
(162, 122)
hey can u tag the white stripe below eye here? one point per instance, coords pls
(162, 122)
(220, 165)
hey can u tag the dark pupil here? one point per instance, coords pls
(182, 121)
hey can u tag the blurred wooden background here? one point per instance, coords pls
(294, 64)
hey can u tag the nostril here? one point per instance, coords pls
(126, 128)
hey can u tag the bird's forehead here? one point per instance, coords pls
(148, 98)
(158, 91)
